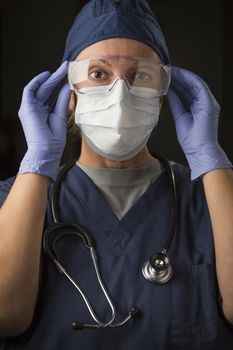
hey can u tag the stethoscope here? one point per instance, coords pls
(157, 269)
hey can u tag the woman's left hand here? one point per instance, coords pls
(196, 122)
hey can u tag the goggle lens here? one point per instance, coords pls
(103, 71)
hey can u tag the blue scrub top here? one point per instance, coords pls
(185, 313)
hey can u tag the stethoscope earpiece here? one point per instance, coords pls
(158, 268)
(77, 326)
(133, 314)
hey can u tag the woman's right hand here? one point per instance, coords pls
(44, 129)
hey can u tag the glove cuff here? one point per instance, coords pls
(30, 164)
(207, 161)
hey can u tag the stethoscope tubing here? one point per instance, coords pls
(171, 183)
(149, 270)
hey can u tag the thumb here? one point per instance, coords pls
(176, 106)
(62, 103)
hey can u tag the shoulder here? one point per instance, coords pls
(7, 184)
(182, 174)
(190, 194)
(183, 178)
(5, 187)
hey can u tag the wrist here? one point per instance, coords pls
(32, 164)
(44, 181)
(207, 160)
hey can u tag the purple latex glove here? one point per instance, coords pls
(197, 123)
(44, 129)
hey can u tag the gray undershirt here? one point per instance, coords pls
(121, 188)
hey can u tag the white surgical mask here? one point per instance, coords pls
(118, 124)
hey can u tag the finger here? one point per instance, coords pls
(34, 84)
(186, 82)
(176, 106)
(62, 104)
(185, 96)
(47, 88)
(189, 86)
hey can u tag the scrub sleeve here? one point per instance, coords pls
(181, 314)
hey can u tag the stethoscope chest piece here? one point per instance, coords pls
(157, 269)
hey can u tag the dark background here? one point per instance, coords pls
(33, 33)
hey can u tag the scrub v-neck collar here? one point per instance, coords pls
(117, 231)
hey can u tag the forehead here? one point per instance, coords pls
(119, 47)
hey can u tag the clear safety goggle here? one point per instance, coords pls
(104, 71)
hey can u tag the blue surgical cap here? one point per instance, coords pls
(105, 19)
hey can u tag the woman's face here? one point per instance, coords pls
(125, 48)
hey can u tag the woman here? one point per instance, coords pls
(118, 191)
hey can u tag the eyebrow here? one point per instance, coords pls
(110, 64)
(112, 61)
(98, 60)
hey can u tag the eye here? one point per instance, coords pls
(142, 76)
(98, 74)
